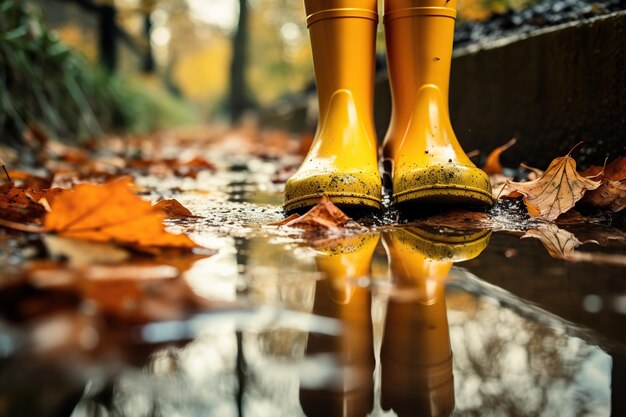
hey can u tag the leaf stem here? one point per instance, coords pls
(6, 173)
(30, 228)
(575, 146)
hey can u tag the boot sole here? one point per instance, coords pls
(347, 201)
(446, 194)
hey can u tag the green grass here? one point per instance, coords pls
(44, 82)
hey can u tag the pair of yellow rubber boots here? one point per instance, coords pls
(420, 150)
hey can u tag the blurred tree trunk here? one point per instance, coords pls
(107, 37)
(148, 65)
(239, 100)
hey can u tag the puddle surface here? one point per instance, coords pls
(394, 321)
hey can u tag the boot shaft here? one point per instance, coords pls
(419, 36)
(343, 35)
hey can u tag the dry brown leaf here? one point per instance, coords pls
(24, 179)
(324, 216)
(110, 212)
(172, 209)
(593, 171)
(559, 242)
(556, 191)
(616, 170)
(192, 167)
(610, 195)
(16, 206)
(492, 165)
(285, 220)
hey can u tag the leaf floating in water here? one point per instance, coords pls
(556, 190)
(110, 212)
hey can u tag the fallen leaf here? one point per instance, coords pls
(559, 242)
(593, 171)
(324, 216)
(285, 220)
(616, 170)
(24, 179)
(492, 165)
(611, 195)
(172, 209)
(192, 167)
(110, 212)
(556, 190)
(500, 187)
(16, 206)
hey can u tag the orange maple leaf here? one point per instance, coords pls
(492, 165)
(110, 212)
(556, 190)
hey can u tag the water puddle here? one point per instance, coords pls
(400, 320)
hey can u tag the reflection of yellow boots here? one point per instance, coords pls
(342, 161)
(344, 260)
(427, 163)
(350, 393)
(416, 355)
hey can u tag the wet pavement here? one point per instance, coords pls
(395, 320)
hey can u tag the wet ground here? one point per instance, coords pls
(532, 16)
(395, 320)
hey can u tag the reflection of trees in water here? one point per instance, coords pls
(506, 365)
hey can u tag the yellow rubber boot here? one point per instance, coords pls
(416, 349)
(421, 151)
(342, 161)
